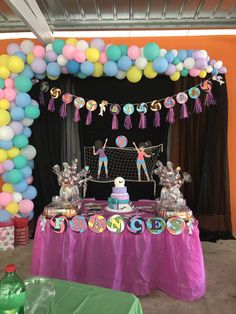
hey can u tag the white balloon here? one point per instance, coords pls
(29, 152)
(82, 45)
(34, 103)
(27, 121)
(209, 69)
(6, 133)
(162, 52)
(61, 60)
(17, 197)
(141, 63)
(202, 54)
(218, 64)
(174, 52)
(49, 47)
(120, 75)
(189, 63)
(179, 66)
(27, 46)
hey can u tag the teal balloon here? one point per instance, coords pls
(20, 162)
(23, 83)
(20, 141)
(1, 83)
(32, 112)
(58, 45)
(123, 49)
(113, 53)
(176, 60)
(14, 176)
(81, 75)
(184, 72)
(151, 51)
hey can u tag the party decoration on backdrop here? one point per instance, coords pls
(116, 224)
(128, 110)
(155, 106)
(43, 222)
(115, 110)
(59, 223)
(175, 225)
(99, 149)
(182, 99)
(66, 99)
(121, 141)
(140, 162)
(78, 224)
(209, 99)
(169, 103)
(142, 109)
(102, 107)
(136, 225)
(156, 225)
(97, 223)
(91, 105)
(44, 87)
(79, 103)
(194, 93)
(55, 93)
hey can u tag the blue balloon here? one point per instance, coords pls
(124, 63)
(110, 68)
(29, 215)
(40, 76)
(27, 131)
(23, 100)
(87, 68)
(169, 56)
(53, 69)
(30, 193)
(6, 144)
(73, 67)
(31, 164)
(214, 72)
(190, 52)
(20, 187)
(160, 64)
(4, 176)
(17, 113)
(26, 171)
(182, 54)
(4, 215)
(27, 72)
(21, 55)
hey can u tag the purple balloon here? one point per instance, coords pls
(171, 69)
(17, 127)
(50, 56)
(38, 66)
(12, 48)
(222, 70)
(212, 62)
(98, 43)
(8, 165)
(200, 64)
(196, 54)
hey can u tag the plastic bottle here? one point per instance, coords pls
(12, 292)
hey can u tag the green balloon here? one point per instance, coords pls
(32, 112)
(14, 176)
(81, 75)
(123, 49)
(20, 161)
(2, 83)
(151, 51)
(176, 60)
(20, 141)
(58, 45)
(113, 53)
(184, 72)
(23, 83)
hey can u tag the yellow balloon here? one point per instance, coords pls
(3, 155)
(7, 187)
(3, 59)
(52, 78)
(92, 54)
(4, 72)
(98, 69)
(12, 208)
(4, 117)
(202, 74)
(175, 76)
(134, 75)
(71, 41)
(4, 104)
(13, 152)
(30, 57)
(149, 72)
(15, 64)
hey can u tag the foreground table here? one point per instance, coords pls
(45, 295)
(127, 262)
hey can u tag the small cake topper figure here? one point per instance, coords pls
(99, 149)
(140, 160)
(119, 182)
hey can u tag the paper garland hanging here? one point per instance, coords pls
(156, 107)
(66, 99)
(79, 103)
(142, 109)
(194, 93)
(128, 110)
(169, 103)
(91, 105)
(55, 93)
(182, 98)
(115, 110)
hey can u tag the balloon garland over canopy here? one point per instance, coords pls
(26, 62)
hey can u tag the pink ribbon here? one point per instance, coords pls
(62, 111)
(157, 120)
(170, 118)
(209, 100)
(77, 115)
(197, 105)
(89, 118)
(142, 121)
(184, 111)
(51, 106)
(128, 122)
(115, 122)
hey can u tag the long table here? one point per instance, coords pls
(125, 261)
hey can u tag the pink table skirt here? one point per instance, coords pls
(127, 262)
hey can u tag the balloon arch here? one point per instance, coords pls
(27, 61)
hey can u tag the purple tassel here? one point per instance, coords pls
(170, 116)
(128, 122)
(156, 121)
(62, 111)
(115, 122)
(209, 100)
(184, 111)
(51, 106)
(197, 105)
(41, 98)
(142, 121)
(89, 118)
(76, 115)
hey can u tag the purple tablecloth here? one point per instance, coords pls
(128, 262)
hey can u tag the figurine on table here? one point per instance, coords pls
(99, 149)
(140, 161)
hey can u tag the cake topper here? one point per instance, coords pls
(119, 182)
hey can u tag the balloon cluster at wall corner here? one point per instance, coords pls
(27, 61)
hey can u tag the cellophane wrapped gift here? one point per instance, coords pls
(6, 236)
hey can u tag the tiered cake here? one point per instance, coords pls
(119, 199)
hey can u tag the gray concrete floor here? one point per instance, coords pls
(220, 298)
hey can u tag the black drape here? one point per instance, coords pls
(199, 146)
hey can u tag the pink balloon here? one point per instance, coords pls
(8, 165)
(133, 52)
(1, 168)
(2, 94)
(26, 206)
(103, 58)
(194, 72)
(10, 94)
(39, 51)
(68, 51)
(29, 180)
(5, 198)
(79, 56)
(9, 83)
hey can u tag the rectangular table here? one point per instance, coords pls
(126, 261)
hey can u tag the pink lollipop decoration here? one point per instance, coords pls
(115, 110)
(91, 105)
(169, 103)
(142, 109)
(156, 107)
(194, 93)
(182, 99)
(207, 87)
(66, 99)
(79, 103)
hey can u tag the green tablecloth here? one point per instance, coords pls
(45, 295)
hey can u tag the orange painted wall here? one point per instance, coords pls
(219, 48)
